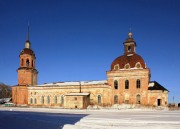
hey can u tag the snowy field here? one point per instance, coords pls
(44, 118)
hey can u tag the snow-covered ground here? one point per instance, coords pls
(46, 118)
(129, 120)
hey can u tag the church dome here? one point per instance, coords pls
(128, 62)
(27, 51)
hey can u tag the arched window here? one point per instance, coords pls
(129, 48)
(31, 101)
(62, 99)
(127, 66)
(138, 84)
(42, 99)
(115, 99)
(55, 99)
(138, 65)
(22, 62)
(27, 63)
(115, 84)
(35, 101)
(99, 99)
(138, 99)
(48, 99)
(116, 67)
(126, 84)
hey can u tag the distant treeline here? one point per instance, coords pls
(5, 91)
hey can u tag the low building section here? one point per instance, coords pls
(59, 94)
(157, 94)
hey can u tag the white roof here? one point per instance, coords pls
(77, 94)
(75, 83)
(151, 84)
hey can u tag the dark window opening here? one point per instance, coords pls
(126, 84)
(129, 48)
(27, 63)
(159, 102)
(115, 84)
(138, 83)
(75, 106)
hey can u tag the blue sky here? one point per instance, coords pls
(78, 39)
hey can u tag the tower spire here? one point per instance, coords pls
(27, 43)
(28, 31)
(130, 28)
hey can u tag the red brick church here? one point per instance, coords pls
(128, 82)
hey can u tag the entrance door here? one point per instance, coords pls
(159, 102)
(138, 99)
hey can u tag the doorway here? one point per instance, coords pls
(138, 99)
(159, 102)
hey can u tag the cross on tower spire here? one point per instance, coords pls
(27, 43)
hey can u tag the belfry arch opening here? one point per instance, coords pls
(129, 49)
(27, 63)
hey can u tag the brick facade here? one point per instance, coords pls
(128, 81)
(27, 75)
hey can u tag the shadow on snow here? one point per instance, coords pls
(36, 120)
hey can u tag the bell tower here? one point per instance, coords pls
(129, 45)
(27, 73)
